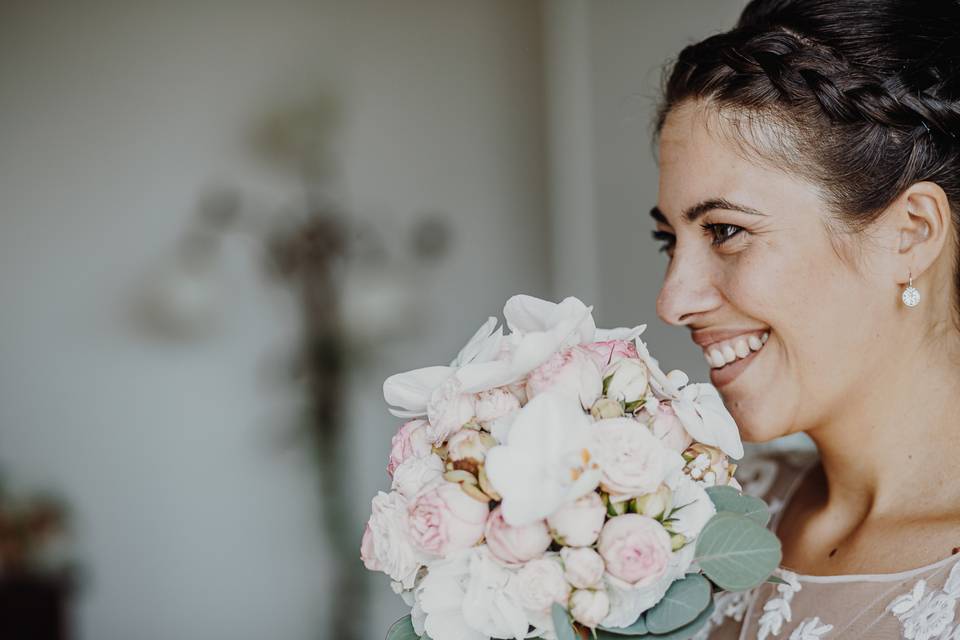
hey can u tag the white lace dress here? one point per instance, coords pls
(919, 604)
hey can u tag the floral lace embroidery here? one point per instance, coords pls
(727, 605)
(929, 615)
(811, 629)
(777, 610)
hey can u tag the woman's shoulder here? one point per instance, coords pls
(772, 474)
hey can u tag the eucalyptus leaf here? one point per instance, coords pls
(638, 628)
(561, 622)
(402, 629)
(688, 631)
(729, 499)
(681, 604)
(736, 553)
(776, 580)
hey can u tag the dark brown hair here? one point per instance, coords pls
(862, 97)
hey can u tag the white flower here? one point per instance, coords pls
(496, 403)
(540, 583)
(705, 417)
(810, 629)
(546, 461)
(440, 595)
(448, 409)
(582, 566)
(632, 461)
(695, 507)
(487, 604)
(387, 545)
(578, 523)
(589, 606)
(415, 473)
(627, 603)
(628, 380)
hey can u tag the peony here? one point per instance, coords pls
(573, 372)
(416, 473)
(488, 606)
(610, 351)
(582, 566)
(626, 380)
(444, 519)
(578, 524)
(439, 599)
(540, 583)
(589, 607)
(386, 544)
(448, 410)
(546, 461)
(632, 460)
(515, 545)
(635, 549)
(667, 428)
(410, 440)
(494, 404)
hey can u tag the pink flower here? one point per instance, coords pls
(635, 548)
(667, 428)
(516, 545)
(578, 524)
(612, 350)
(409, 441)
(573, 371)
(633, 461)
(582, 566)
(445, 519)
(368, 552)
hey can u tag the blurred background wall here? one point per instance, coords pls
(193, 502)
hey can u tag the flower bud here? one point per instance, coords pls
(516, 545)
(677, 541)
(589, 607)
(578, 524)
(582, 566)
(654, 505)
(606, 408)
(626, 380)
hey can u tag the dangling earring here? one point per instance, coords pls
(910, 297)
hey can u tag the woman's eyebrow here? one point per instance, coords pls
(697, 210)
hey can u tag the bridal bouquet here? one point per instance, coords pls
(553, 482)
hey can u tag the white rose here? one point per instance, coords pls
(627, 380)
(448, 409)
(540, 583)
(578, 524)
(386, 542)
(589, 607)
(582, 566)
(415, 473)
(633, 462)
(495, 403)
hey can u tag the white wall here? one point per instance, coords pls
(195, 517)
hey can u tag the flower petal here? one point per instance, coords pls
(411, 390)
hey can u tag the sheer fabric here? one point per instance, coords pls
(920, 604)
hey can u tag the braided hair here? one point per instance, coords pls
(862, 97)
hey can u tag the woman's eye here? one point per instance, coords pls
(665, 239)
(720, 232)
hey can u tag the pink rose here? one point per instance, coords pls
(666, 427)
(635, 548)
(516, 545)
(409, 441)
(540, 583)
(445, 519)
(573, 371)
(610, 351)
(633, 461)
(578, 524)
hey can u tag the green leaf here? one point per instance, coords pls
(561, 622)
(776, 580)
(402, 629)
(736, 553)
(729, 499)
(688, 631)
(681, 604)
(638, 628)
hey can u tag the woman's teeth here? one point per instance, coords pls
(723, 353)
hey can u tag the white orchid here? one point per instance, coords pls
(546, 461)
(698, 406)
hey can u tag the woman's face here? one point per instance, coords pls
(790, 329)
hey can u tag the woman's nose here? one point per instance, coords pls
(688, 291)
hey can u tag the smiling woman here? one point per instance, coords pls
(809, 173)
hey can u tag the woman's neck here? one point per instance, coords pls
(892, 450)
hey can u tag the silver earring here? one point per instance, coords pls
(910, 296)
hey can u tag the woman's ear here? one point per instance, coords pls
(923, 227)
